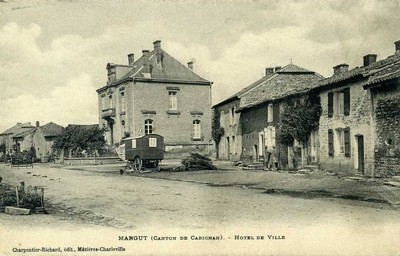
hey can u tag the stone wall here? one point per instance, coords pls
(387, 126)
(230, 147)
(359, 123)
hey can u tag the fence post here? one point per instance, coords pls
(16, 192)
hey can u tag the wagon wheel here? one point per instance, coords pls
(137, 164)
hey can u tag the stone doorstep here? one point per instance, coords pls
(16, 211)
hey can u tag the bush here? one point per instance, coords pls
(198, 162)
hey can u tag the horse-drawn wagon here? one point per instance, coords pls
(142, 152)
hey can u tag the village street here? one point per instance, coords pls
(105, 199)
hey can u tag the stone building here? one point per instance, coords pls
(156, 94)
(44, 137)
(261, 107)
(230, 145)
(349, 142)
(6, 137)
(384, 87)
(41, 138)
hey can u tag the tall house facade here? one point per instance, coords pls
(360, 118)
(156, 94)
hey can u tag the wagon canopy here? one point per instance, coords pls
(147, 147)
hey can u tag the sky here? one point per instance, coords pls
(53, 53)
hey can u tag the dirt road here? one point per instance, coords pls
(122, 204)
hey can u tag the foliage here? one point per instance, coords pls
(216, 130)
(3, 147)
(299, 120)
(78, 138)
(197, 162)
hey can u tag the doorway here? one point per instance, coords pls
(360, 154)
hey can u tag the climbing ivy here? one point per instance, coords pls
(300, 119)
(217, 131)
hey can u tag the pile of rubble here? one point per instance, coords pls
(195, 162)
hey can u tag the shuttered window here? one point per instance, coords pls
(346, 101)
(330, 142)
(347, 147)
(330, 104)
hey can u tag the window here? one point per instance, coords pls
(343, 141)
(122, 101)
(148, 126)
(152, 142)
(270, 112)
(340, 138)
(339, 103)
(173, 101)
(196, 129)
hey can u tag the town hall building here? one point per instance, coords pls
(156, 94)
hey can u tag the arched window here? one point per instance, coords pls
(196, 129)
(148, 126)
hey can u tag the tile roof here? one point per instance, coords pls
(51, 129)
(290, 80)
(362, 72)
(18, 128)
(84, 126)
(383, 73)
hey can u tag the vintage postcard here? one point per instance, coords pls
(200, 127)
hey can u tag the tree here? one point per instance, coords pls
(299, 120)
(75, 138)
(217, 131)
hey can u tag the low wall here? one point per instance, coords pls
(88, 160)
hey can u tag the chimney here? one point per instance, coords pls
(340, 68)
(269, 71)
(131, 59)
(159, 53)
(277, 68)
(369, 59)
(190, 65)
(146, 53)
(37, 124)
(157, 46)
(397, 45)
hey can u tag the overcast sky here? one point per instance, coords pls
(53, 54)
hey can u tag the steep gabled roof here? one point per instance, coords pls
(51, 129)
(290, 80)
(18, 128)
(171, 70)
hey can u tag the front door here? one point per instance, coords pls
(360, 149)
(228, 144)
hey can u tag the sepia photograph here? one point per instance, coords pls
(199, 127)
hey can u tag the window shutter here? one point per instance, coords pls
(276, 112)
(330, 142)
(346, 102)
(347, 142)
(330, 104)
